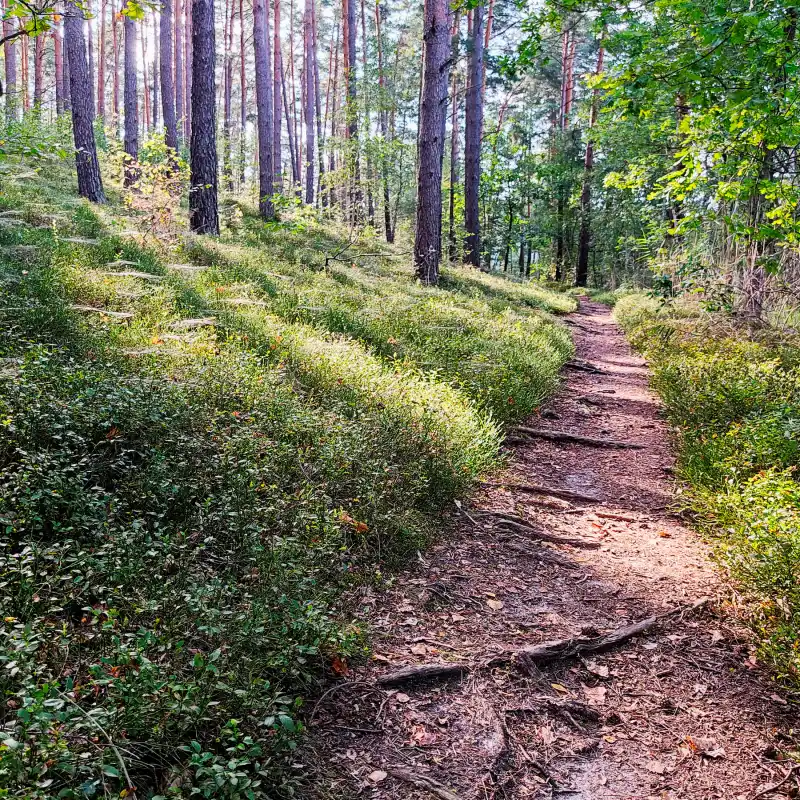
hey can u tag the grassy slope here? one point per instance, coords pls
(736, 403)
(182, 509)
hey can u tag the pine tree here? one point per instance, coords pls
(167, 85)
(130, 102)
(264, 99)
(473, 133)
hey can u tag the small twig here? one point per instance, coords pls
(371, 689)
(777, 785)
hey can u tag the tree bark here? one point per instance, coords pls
(90, 184)
(310, 104)
(243, 107)
(367, 116)
(101, 65)
(130, 99)
(333, 87)
(180, 98)
(289, 129)
(453, 244)
(167, 85)
(24, 76)
(90, 46)
(292, 112)
(38, 70)
(227, 96)
(10, 54)
(433, 113)
(156, 72)
(317, 100)
(473, 131)
(188, 68)
(115, 46)
(277, 104)
(351, 104)
(146, 86)
(58, 59)
(203, 211)
(264, 100)
(584, 237)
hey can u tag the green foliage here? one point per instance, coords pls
(736, 403)
(182, 510)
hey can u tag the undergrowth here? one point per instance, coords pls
(735, 400)
(186, 494)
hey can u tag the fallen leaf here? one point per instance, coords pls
(401, 697)
(655, 767)
(717, 752)
(548, 734)
(457, 618)
(377, 776)
(596, 695)
(421, 736)
(649, 645)
(597, 669)
(716, 636)
(339, 666)
(496, 605)
(419, 649)
(665, 535)
(778, 699)
(410, 621)
(559, 688)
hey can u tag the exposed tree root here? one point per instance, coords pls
(585, 366)
(423, 672)
(563, 436)
(519, 524)
(530, 488)
(424, 782)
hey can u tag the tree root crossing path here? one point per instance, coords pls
(567, 636)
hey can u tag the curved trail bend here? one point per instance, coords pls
(680, 711)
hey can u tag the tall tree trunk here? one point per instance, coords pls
(203, 210)
(115, 46)
(10, 53)
(289, 128)
(180, 99)
(310, 105)
(58, 59)
(277, 104)
(188, 69)
(155, 72)
(167, 85)
(227, 96)
(38, 70)
(90, 184)
(473, 132)
(383, 119)
(90, 45)
(243, 106)
(582, 269)
(264, 98)
(452, 241)
(146, 86)
(130, 103)
(351, 105)
(65, 67)
(333, 87)
(367, 116)
(101, 65)
(486, 38)
(25, 73)
(433, 114)
(317, 101)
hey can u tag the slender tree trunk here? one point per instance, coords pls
(38, 71)
(146, 86)
(317, 101)
(310, 104)
(452, 241)
(115, 46)
(289, 128)
(383, 119)
(101, 65)
(180, 99)
(264, 99)
(227, 97)
(131, 104)
(167, 85)
(10, 53)
(243, 108)
(298, 146)
(277, 104)
(333, 88)
(486, 38)
(367, 115)
(155, 72)
(90, 184)
(65, 67)
(203, 211)
(351, 105)
(90, 45)
(582, 269)
(188, 68)
(433, 114)
(473, 132)
(58, 59)
(25, 73)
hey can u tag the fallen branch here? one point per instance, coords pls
(531, 488)
(617, 517)
(777, 785)
(120, 315)
(423, 782)
(528, 657)
(563, 436)
(422, 672)
(546, 556)
(585, 366)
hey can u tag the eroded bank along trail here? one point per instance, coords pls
(678, 711)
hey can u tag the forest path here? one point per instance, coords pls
(681, 711)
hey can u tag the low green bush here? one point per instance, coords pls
(736, 404)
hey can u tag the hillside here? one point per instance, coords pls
(205, 443)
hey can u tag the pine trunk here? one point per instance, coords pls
(167, 85)
(451, 238)
(264, 99)
(180, 99)
(203, 211)
(155, 72)
(277, 103)
(90, 184)
(227, 97)
(383, 118)
(65, 67)
(317, 102)
(24, 76)
(38, 70)
(145, 81)
(101, 65)
(115, 46)
(289, 128)
(243, 105)
(188, 69)
(367, 116)
(473, 131)
(90, 46)
(310, 105)
(58, 59)
(130, 100)
(351, 105)
(10, 53)
(433, 113)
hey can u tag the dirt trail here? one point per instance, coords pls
(679, 712)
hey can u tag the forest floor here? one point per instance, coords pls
(681, 711)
